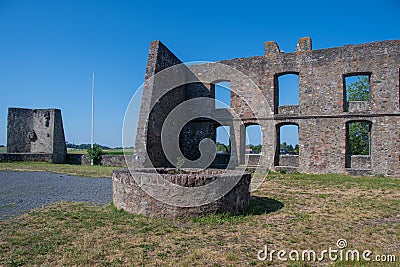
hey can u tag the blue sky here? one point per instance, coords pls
(49, 49)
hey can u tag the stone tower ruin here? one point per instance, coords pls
(36, 132)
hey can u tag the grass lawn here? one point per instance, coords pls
(76, 151)
(79, 170)
(113, 151)
(289, 211)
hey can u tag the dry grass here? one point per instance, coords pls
(287, 212)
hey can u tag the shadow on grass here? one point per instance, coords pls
(257, 206)
(263, 205)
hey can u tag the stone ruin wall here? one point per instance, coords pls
(149, 136)
(322, 112)
(35, 131)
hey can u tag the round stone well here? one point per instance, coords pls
(166, 193)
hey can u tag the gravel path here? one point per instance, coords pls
(23, 191)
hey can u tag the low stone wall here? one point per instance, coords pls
(129, 196)
(359, 106)
(252, 159)
(74, 159)
(289, 160)
(222, 158)
(289, 110)
(106, 160)
(358, 172)
(360, 162)
(286, 169)
(42, 157)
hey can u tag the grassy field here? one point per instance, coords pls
(76, 151)
(114, 151)
(79, 170)
(289, 211)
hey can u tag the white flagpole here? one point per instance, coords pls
(92, 133)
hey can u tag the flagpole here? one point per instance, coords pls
(92, 132)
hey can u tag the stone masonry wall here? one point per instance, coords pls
(36, 131)
(131, 197)
(12, 157)
(18, 129)
(106, 160)
(322, 112)
(148, 136)
(59, 145)
(158, 101)
(289, 160)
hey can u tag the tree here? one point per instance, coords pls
(359, 135)
(284, 145)
(256, 148)
(296, 149)
(290, 148)
(358, 90)
(95, 154)
(222, 148)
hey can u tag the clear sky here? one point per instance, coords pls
(49, 49)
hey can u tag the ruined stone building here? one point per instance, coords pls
(323, 115)
(35, 135)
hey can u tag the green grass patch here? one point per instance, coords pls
(76, 151)
(114, 151)
(79, 170)
(337, 180)
(118, 151)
